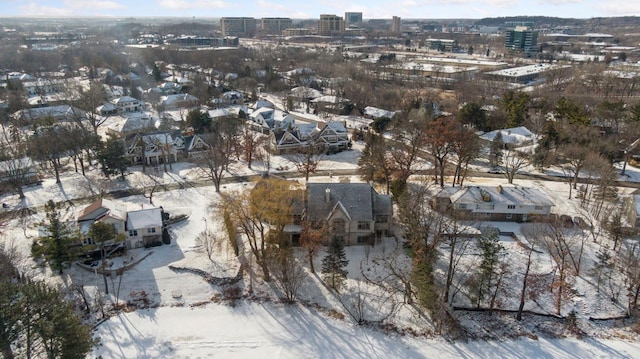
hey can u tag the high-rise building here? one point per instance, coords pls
(395, 24)
(352, 18)
(522, 39)
(238, 26)
(275, 25)
(329, 25)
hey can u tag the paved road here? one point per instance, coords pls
(291, 174)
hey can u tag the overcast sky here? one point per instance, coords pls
(424, 9)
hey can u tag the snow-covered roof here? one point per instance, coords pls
(305, 92)
(144, 218)
(516, 135)
(502, 194)
(378, 112)
(125, 99)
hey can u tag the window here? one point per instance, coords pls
(509, 216)
(338, 225)
(363, 239)
(511, 206)
(462, 206)
(363, 225)
(151, 230)
(133, 233)
(539, 208)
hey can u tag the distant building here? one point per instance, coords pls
(238, 26)
(296, 32)
(522, 39)
(395, 24)
(274, 25)
(443, 45)
(352, 18)
(329, 25)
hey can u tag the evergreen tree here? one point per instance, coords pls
(38, 322)
(199, 121)
(495, 150)
(113, 157)
(491, 250)
(55, 246)
(333, 264)
(157, 74)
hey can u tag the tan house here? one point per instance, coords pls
(353, 212)
(105, 211)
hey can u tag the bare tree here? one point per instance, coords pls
(312, 239)
(513, 161)
(288, 273)
(551, 237)
(208, 240)
(391, 272)
(368, 305)
(307, 159)
(215, 159)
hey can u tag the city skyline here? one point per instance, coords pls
(407, 9)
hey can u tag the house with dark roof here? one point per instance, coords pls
(353, 212)
(494, 203)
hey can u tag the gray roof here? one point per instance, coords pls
(502, 194)
(359, 200)
(144, 218)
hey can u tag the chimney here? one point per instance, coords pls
(500, 189)
(327, 195)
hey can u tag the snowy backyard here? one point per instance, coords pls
(180, 315)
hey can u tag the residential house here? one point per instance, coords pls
(107, 109)
(19, 170)
(105, 211)
(127, 104)
(190, 146)
(172, 102)
(158, 148)
(133, 123)
(144, 227)
(514, 137)
(49, 114)
(333, 137)
(353, 212)
(494, 203)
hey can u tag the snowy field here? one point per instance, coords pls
(187, 318)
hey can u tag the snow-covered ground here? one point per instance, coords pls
(188, 318)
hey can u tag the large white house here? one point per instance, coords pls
(494, 203)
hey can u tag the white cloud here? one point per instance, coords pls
(194, 4)
(102, 5)
(272, 6)
(619, 8)
(35, 9)
(560, 2)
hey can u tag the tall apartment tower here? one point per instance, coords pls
(352, 18)
(329, 25)
(275, 25)
(395, 24)
(238, 26)
(522, 39)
